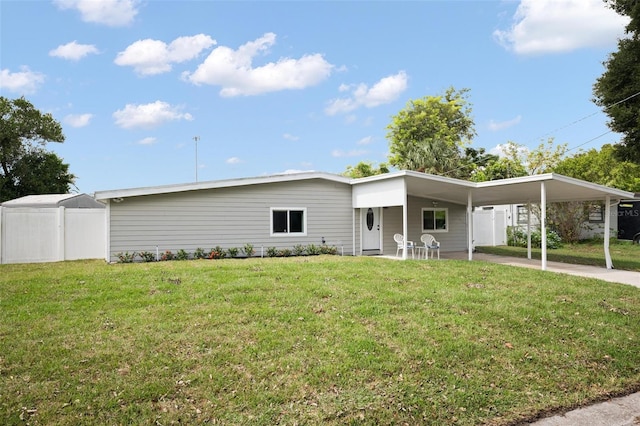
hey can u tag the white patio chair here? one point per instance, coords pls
(399, 239)
(430, 243)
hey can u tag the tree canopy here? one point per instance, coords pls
(602, 167)
(365, 169)
(429, 133)
(25, 167)
(617, 91)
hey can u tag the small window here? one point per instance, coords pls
(523, 214)
(435, 220)
(596, 213)
(288, 221)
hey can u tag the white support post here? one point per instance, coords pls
(470, 224)
(405, 225)
(607, 231)
(529, 230)
(543, 224)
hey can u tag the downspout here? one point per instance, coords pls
(543, 223)
(405, 216)
(607, 231)
(470, 224)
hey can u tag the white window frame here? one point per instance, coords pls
(522, 215)
(596, 213)
(288, 210)
(435, 209)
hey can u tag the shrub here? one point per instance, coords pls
(182, 255)
(313, 250)
(516, 237)
(248, 250)
(217, 253)
(199, 253)
(284, 252)
(232, 252)
(126, 257)
(167, 255)
(325, 249)
(272, 252)
(298, 250)
(148, 256)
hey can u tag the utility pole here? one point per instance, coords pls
(196, 139)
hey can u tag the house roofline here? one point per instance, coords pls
(216, 184)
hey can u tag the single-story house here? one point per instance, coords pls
(358, 216)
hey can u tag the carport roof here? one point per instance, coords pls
(505, 191)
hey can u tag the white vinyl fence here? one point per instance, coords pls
(29, 235)
(489, 227)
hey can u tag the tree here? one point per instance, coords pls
(38, 172)
(617, 91)
(602, 167)
(428, 134)
(23, 132)
(365, 169)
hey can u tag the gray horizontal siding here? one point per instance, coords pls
(231, 217)
(453, 240)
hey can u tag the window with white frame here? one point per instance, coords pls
(435, 219)
(596, 213)
(288, 221)
(523, 214)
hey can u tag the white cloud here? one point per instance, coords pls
(148, 115)
(365, 141)
(353, 153)
(233, 70)
(114, 13)
(149, 57)
(78, 120)
(499, 150)
(147, 141)
(233, 160)
(25, 81)
(289, 137)
(73, 51)
(550, 26)
(384, 91)
(499, 125)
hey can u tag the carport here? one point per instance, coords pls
(395, 188)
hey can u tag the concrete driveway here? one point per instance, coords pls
(611, 275)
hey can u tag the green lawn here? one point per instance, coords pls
(308, 340)
(624, 254)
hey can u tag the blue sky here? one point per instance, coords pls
(279, 86)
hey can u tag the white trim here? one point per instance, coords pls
(288, 210)
(434, 209)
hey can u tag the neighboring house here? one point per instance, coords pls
(52, 227)
(358, 216)
(629, 219)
